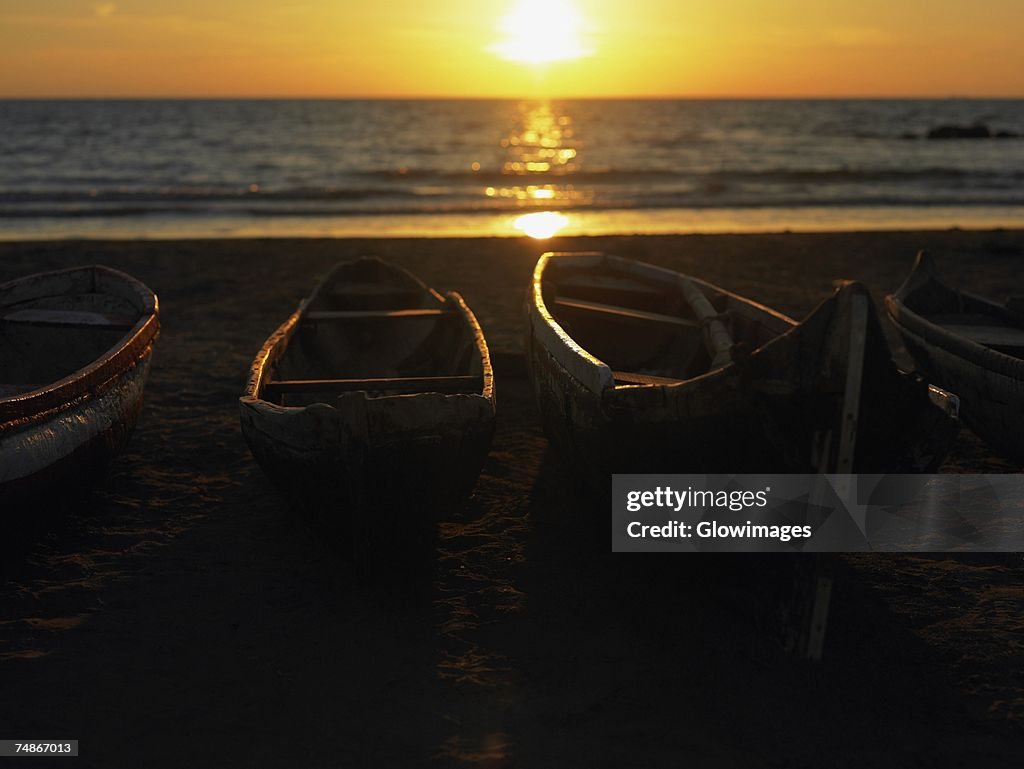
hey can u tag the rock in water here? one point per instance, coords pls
(975, 131)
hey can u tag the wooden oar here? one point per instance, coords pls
(716, 335)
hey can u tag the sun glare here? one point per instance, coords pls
(541, 224)
(542, 31)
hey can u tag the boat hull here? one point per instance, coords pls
(993, 402)
(716, 427)
(990, 383)
(84, 338)
(373, 472)
(646, 430)
(370, 475)
(68, 452)
(774, 411)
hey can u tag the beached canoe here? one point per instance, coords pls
(970, 345)
(372, 406)
(641, 369)
(75, 348)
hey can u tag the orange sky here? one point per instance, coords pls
(453, 48)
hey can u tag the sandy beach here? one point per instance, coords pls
(182, 616)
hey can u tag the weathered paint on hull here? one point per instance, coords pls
(711, 429)
(77, 388)
(70, 451)
(714, 430)
(598, 440)
(362, 494)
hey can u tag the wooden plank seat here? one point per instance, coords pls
(992, 336)
(625, 313)
(630, 378)
(373, 290)
(329, 315)
(596, 282)
(69, 319)
(397, 385)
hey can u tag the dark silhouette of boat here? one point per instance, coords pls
(641, 369)
(968, 344)
(75, 350)
(372, 406)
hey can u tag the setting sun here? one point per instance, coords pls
(542, 31)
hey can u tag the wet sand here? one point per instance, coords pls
(182, 616)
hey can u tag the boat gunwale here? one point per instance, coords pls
(906, 319)
(452, 302)
(94, 379)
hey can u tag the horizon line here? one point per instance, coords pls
(534, 97)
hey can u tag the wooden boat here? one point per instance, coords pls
(75, 348)
(641, 369)
(372, 406)
(970, 345)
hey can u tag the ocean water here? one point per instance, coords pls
(209, 168)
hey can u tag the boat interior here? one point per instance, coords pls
(58, 328)
(374, 328)
(979, 320)
(643, 326)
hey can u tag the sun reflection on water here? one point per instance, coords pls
(542, 141)
(541, 156)
(541, 224)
